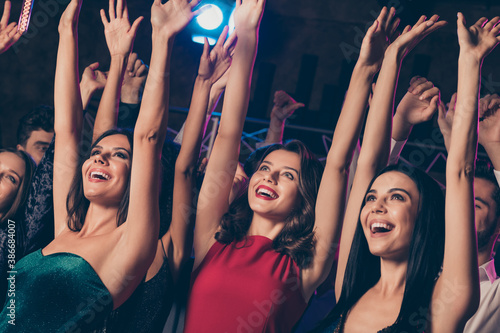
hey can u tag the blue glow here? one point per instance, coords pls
(201, 40)
(210, 18)
(231, 22)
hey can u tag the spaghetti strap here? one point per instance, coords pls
(163, 249)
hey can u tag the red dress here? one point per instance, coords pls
(245, 287)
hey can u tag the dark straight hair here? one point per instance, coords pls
(77, 204)
(424, 260)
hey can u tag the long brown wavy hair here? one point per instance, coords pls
(297, 237)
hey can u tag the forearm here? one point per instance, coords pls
(275, 131)
(463, 141)
(107, 114)
(376, 141)
(152, 120)
(351, 118)
(67, 99)
(194, 127)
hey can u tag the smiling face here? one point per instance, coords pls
(106, 172)
(12, 171)
(273, 191)
(389, 214)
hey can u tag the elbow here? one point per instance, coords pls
(149, 137)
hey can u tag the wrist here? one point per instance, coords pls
(469, 59)
(163, 36)
(276, 124)
(368, 71)
(401, 129)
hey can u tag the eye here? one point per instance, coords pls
(289, 175)
(263, 168)
(12, 179)
(121, 155)
(370, 197)
(95, 152)
(397, 197)
(478, 206)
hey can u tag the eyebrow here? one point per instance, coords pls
(45, 143)
(114, 149)
(15, 173)
(286, 167)
(481, 200)
(395, 189)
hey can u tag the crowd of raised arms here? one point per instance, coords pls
(99, 224)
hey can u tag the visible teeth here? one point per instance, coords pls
(267, 193)
(379, 225)
(98, 175)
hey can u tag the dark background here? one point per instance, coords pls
(307, 48)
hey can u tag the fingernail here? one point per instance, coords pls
(430, 23)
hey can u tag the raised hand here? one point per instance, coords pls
(119, 34)
(284, 106)
(445, 119)
(134, 79)
(411, 36)
(173, 16)
(479, 39)
(377, 39)
(215, 63)
(92, 78)
(489, 126)
(69, 18)
(92, 81)
(417, 106)
(247, 15)
(9, 34)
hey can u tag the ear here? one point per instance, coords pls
(19, 147)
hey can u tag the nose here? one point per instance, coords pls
(270, 177)
(99, 159)
(378, 206)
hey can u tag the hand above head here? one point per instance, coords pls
(119, 34)
(9, 34)
(489, 126)
(479, 39)
(445, 119)
(134, 79)
(92, 78)
(284, 106)
(69, 18)
(417, 106)
(377, 39)
(247, 16)
(411, 36)
(173, 16)
(214, 64)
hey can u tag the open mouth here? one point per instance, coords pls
(380, 227)
(99, 175)
(266, 193)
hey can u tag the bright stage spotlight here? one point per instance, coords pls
(210, 17)
(215, 14)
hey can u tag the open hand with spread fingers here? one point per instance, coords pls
(479, 39)
(119, 33)
(377, 39)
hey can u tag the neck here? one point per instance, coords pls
(392, 277)
(99, 220)
(484, 256)
(263, 226)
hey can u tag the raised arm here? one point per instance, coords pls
(9, 34)
(460, 236)
(212, 66)
(120, 39)
(140, 239)
(284, 106)
(331, 196)
(214, 195)
(92, 81)
(376, 141)
(67, 113)
(417, 106)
